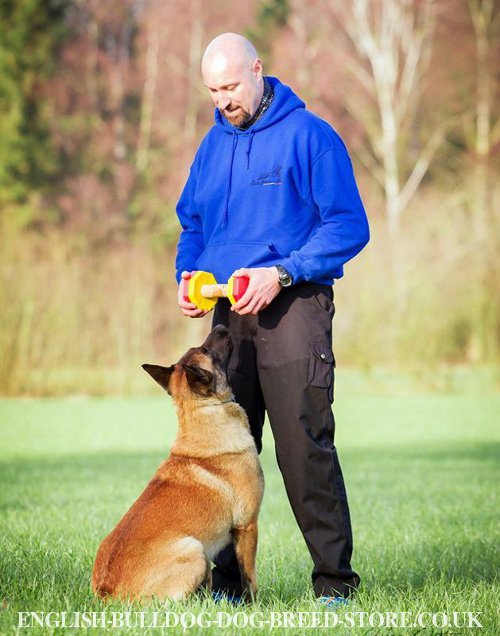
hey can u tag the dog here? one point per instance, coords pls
(206, 495)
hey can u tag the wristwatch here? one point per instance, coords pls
(285, 280)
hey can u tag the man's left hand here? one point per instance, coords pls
(262, 289)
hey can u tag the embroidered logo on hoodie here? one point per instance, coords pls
(269, 178)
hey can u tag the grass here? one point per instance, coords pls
(421, 472)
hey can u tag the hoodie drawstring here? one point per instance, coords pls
(226, 211)
(230, 180)
(249, 149)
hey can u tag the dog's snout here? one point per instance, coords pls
(217, 335)
(221, 331)
(219, 342)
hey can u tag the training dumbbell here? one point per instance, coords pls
(203, 290)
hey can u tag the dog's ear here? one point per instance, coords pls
(200, 380)
(160, 374)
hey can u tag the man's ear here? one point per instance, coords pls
(160, 374)
(200, 380)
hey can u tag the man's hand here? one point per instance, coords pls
(187, 308)
(262, 289)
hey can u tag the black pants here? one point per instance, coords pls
(283, 363)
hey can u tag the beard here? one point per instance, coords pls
(238, 118)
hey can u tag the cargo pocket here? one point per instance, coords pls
(321, 364)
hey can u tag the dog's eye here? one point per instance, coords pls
(204, 350)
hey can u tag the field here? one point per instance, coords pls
(421, 471)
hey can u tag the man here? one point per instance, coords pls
(271, 195)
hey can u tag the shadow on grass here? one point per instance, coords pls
(85, 469)
(435, 452)
(135, 465)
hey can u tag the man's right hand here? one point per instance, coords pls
(187, 308)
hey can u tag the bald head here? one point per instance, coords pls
(232, 72)
(228, 49)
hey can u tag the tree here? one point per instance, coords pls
(272, 16)
(483, 135)
(485, 131)
(391, 45)
(30, 34)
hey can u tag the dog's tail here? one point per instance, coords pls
(101, 584)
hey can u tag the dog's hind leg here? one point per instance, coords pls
(245, 546)
(178, 572)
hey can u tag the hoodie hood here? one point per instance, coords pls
(284, 102)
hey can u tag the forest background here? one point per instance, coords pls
(102, 108)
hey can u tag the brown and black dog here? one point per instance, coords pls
(205, 495)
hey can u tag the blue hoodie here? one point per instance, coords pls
(281, 192)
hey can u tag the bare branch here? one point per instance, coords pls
(392, 40)
(420, 168)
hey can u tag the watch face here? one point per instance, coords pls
(284, 276)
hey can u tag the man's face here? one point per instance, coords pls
(236, 90)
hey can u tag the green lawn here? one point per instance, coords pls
(421, 472)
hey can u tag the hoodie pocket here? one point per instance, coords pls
(222, 259)
(321, 365)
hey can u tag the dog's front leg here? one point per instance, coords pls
(245, 546)
(207, 582)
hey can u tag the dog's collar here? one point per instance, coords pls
(217, 403)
